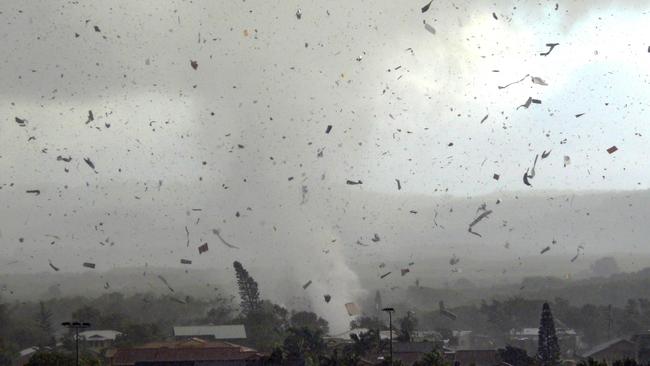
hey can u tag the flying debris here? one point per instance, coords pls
(304, 287)
(89, 265)
(545, 250)
(385, 275)
(484, 118)
(187, 234)
(61, 158)
(529, 101)
(328, 129)
(97, 29)
(446, 312)
(166, 283)
(496, 176)
(375, 238)
(352, 308)
(54, 267)
(514, 82)
(551, 46)
(218, 234)
(612, 149)
(546, 154)
(494, 15)
(579, 115)
(532, 170)
(327, 298)
(90, 163)
(107, 286)
(21, 122)
(426, 7)
(353, 183)
(454, 260)
(186, 261)
(203, 248)
(567, 160)
(477, 220)
(298, 14)
(36, 192)
(429, 28)
(91, 117)
(538, 81)
(399, 185)
(405, 271)
(194, 64)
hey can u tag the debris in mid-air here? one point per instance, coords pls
(399, 185)
(545, 250)
(454, 260)
(194, 64)
(89, 265)
(446, 312)
(514, 82)
(477, 220)
(375, 238)
(304, 287)
(567, 160)
(166, 283)
(538, 81)
(612, 149)
(529, 101)
(579, 115)
(54, 267)
(90, 163)
(484, 118)
(36, 192)
(186, 261)
(353, 309)
(546, 154)
(429, 28)
(327, 298)
(218, 234)
(404, 271)
(203, 248)
(91, 117)
(426, 7)
(298, 14)
(385, 274)
(328, 129)
(353, 183)
(21, 121)
(496, 176)
(550, 46)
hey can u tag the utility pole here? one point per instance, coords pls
(390, 331)
(76, 326)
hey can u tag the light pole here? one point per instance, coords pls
(390, 331)
(76, 326)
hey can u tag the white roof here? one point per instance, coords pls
(99, 335)
(384, 334)
(28, 351)
(236, 331)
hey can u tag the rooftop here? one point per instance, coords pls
(236, 331)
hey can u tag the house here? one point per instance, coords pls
(99, 339)
(214, 332)
(616, 349)
(188, 352)
(345, 336)
(408, 353)
(467, 339)
(482, 357)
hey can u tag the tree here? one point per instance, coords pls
(136, 334)
(304, 344)
(51, 359)
(266, 326)
(87, 314)
(309, 320)
(248, 291)
(44, 324)
(548, 349)
(406, 327)
(432, 358)
(515, 356)
(7, 353)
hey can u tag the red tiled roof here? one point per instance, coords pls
(184, 351)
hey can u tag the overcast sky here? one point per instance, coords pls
(242, 137)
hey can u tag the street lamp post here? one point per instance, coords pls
(390, 330)
(76, 326)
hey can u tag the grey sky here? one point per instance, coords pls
(256, 109)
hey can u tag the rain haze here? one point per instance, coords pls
(323, 141)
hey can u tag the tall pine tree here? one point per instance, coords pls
(248, 292)
(548, 349)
